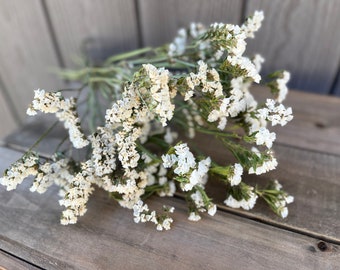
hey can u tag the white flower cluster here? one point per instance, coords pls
(142, 214)
(246, 204)
(208, 80)
(64, 110)
(193, 177)
(201, 206)
(282, 86)
(125, 153)
(238, 101)
(24, 167)
(253, 24)
(275, 114)
(50, 173)
(185, 165)
(265, 137)
(103, 151)
(267, 165)
(236, 178)
(233, 37)
(75, 199)
(160, 102)
(178, 46)
(282, 201)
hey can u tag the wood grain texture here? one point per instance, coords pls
(302, 37)
(311, 177)
(98, 29)
(107, 237)
(8, 262)
(27, 54)
(8, 123)
(160, 20)
(336, 87)
(308, 156)
(316, 123)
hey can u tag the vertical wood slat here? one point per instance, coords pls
(336, 86)
(8, 123)
(302, 37)
(105, 27)
(160, 20)
(26, 54)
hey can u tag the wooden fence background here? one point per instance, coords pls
(36, 36)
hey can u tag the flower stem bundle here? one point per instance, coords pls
(157, 100)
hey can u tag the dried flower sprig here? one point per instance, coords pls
(199, 83)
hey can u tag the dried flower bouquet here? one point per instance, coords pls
(199, 83)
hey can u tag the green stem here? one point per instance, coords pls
(146, 151)
(218, 133)
(187, 64)
(103, 79)
(126, 55)
(42, 136)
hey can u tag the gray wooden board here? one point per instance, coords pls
(311, 177)
(8, 123)
(336, 87)
(160, 20)
(8, 262)
(27, 53)
(316, 123)
(106, 237)
(302, 37)
(98, 29)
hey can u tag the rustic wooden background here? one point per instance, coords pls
(38, 36)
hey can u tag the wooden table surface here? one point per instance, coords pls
(308, 151)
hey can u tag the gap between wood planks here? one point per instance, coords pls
(270, 222)
(16, 258)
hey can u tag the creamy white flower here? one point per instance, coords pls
(185, 159)
(236, 177)
(21, 169)
(169, 160)
(177, 47)
(65, 111)
(194, 216)
(267, 165)
(245, 64)
(75, 199)
(284, 212)
(245, 204)
(212, 209)
(264, 137)
(282, 86)
(253, 24)
(258, 60)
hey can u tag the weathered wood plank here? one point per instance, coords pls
(316, 123)
(27, 53)
(302, 37)
(27, 135)
(96, 29)
(107, 237)
(175, 14)
(9, 262)
(8, 123)
(336, 87)
(311, 176)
